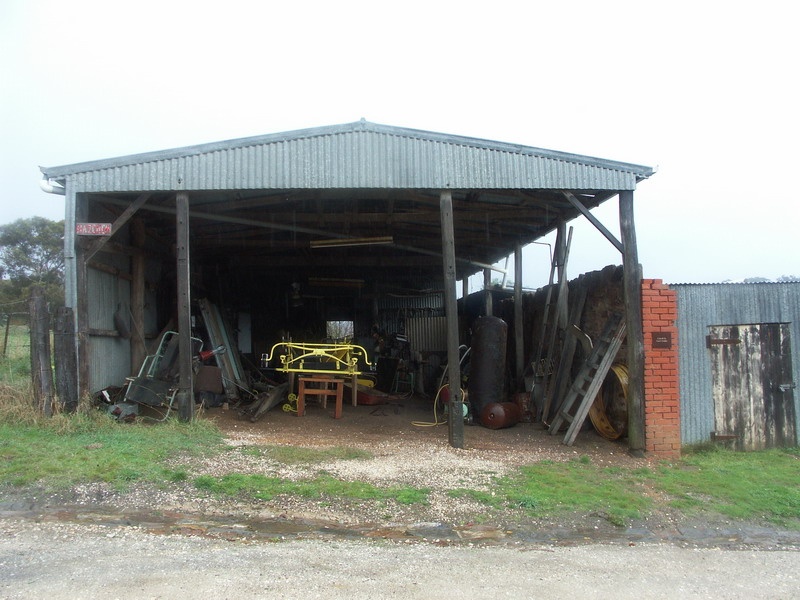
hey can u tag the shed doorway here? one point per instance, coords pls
(753, 391)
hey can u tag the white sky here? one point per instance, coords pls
(704, 91)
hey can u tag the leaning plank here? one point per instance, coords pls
(595, 384)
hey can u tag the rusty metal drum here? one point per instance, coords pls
(498, 415)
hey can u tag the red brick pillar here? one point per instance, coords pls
(661, 397)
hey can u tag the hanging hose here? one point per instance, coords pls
(443, 385)
(436, 422)
(460, 362)
(597, 412)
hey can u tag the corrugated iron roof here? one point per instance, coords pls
(259, 203)
(359, 155)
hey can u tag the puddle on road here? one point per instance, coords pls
(160, 522)
(217, 526)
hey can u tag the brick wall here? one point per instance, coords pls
(661, 397)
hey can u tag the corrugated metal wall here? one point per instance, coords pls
(701, 306)
(428, 334)
(109, 357)
(395, 312)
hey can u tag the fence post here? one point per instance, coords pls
(66, 359)
(5, 339)
(41, 371)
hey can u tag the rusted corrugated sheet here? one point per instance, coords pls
(355, 155)
(412, 304)
(427, 334)
(396, 313)
(701, 306)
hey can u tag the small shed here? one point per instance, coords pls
(739, 363)
(321, 224)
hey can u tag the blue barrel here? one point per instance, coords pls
(487, 365)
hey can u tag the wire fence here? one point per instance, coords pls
(15, 330)
(15, 345)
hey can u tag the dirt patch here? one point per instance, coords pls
(406, 450)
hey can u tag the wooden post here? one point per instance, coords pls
(138, 344)
(463, 332)
(487, 291)
(41, 372)
(455, 420)
(5, 338)
(66, 359)
(519, 343)
(184, 397)
(632, 287)
(82, 322)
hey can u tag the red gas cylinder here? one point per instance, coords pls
(498, 415)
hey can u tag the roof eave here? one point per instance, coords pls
(59, 173)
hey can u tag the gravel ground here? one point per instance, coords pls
(67, 561)
(402, 453)
(176, 542)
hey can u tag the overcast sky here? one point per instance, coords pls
(704, 91)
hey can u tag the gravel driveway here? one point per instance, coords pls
(60, 561)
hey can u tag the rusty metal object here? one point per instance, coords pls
(498, 415)
(487, 362)
(605, 403)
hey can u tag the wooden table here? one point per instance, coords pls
(324, 382)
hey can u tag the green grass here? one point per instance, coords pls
(323, 485)
(753, 486)
(549, 488)
(739, 485)
(291, 455)
(66, 450)
(15, 365)
(266, 488)
(118, 454)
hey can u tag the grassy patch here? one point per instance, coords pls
(71, 449)
(266, 488)
(15, 363)
(707, 481)
(740, 485)
(550, 488)
(292, 455)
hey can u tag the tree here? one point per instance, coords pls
(32, 252)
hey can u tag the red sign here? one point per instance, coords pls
(93, 228)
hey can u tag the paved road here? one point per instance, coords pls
(72, 560)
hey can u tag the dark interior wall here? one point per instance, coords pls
(604, 296)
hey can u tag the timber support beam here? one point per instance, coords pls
(632, 289)
(456, 404)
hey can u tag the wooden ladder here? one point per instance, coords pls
(588, 381)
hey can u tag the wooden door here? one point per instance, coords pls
(753, 391)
